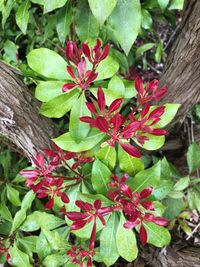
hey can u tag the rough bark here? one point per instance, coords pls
(19, 118)
(182, 68)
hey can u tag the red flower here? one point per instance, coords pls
(90, 213)
(78, 255)
(72, 52)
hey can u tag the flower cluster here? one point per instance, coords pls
(134, 205)
(80, 75)
(4, 251)
(135, 126)
(78, 255)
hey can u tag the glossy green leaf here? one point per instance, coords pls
(100, 177)
(146, 178)
(56, 241)
(48, 63)
(146, 19)
(163, 3)
(27, 200)
(128, 163)
(51, 5)
(77, 129)
(159, 52)
(13, 195)
(22, 15)
(18, 257)
(126, 241)
(107, 68)
(19, 218)
(29, 242)
(120, 58)
(107, 155)
(87, 27)
(91, 198)
(124, 23)
(182, 184)
(173, 207)
(193, 157)
(154, 142)
(60, 105)
(176, 4)
(108, 245)
(6, 9)
(43, 247)
(55, 260)
(39, 2)
(115, 90)
(163, 189)
(157, 235)
(32, 222)
(5, 212)
(168, 116)
(64, 19)
(66, 142)
(144, 48)
(47, 90)
(102, 9)
(11, 50)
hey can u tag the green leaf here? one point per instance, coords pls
(39, 2)
(120, 58)
(128, 163)
(6, 9)
(48, 63)
(126, 241)
(19, 218)
(193, 157)
(144, 48)
(43, 247)
(115, 90)
(27, 200)
(54, 260)
(29, 242)
(64, 17)
(5, 212)
(163, 3)
(60, 105)
(51, 5)
(177, 4)
(100, 177)
(173, 207)
(11, 50)
(107, 155)
(159, 52)
(146, 178)
(194, 198)
(108, 247)
(87, 27)
(91, 198)
(13, 195)
(102, 9)
(124, 23)
(19, 258)
(154, 142)
(66, 142)
(107, 68)
(157, 235)
(79, 130)
(48, 90)
(53, 237)
(163, 189)
(33, 221)
(146, 19)
(22, 15)
(182, 184)
(168, 116)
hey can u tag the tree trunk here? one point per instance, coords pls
(19, 118)
(182, 68)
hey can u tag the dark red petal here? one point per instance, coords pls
(68, 86)
(156, 113)
(101, 99)
(65, 198)
(93, 234)
(89, 262)
(148, 205)
(143, 235)
(158, 132)
(117, 121)
(145, 110)
(131, 128)
(126, 190)
(69, 49)
(49, 204)
(71, 72)
(138, 85)
(76, 216)
(39, 160)
(115, 105)
(159, 94)
(146, 192)
(102, 124)
(160, 221)
(86, 50)
(91, 107)
(78, 225)
(97, 204)
(153, 85)
(131, 150)
(105, 52)
(87, 119)
(83, 205)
